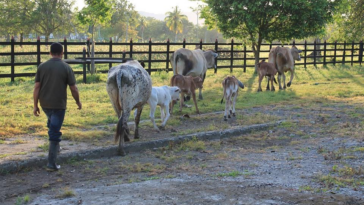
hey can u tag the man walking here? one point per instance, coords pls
(50, 90)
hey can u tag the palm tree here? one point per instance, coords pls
(142, 24)
(174, 20)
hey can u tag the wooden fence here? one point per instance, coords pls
(235, 52)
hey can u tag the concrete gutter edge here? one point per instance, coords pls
(110, 151)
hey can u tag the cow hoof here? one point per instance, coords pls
(259, 90)
(121, 152)
(200, 97)
(126, 139)
(136, 137)
(281, 88)
(284, 87)
(161, 128)
(289, 84)
(268, 89)
(234, 115)
(231, 112)
(229, 116)
(225, 118)
(273, 89)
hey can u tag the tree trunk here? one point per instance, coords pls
(46, 37)
(8, 37)
(21, 39)
(175, 38)
(142, 35)
(93, 69)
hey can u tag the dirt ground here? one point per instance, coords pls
(316, 157)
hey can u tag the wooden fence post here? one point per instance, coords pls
(352, 53)
(84, 64)
(110, 51)
(201, 44)
(245, 58)
(167, 60)
(184, 43)
(335, 52)
(216, 47)
(232, 55)
(343, 61)
(314, 53)
(38, 51)
(12, 58)
(124, 54)
(65, 52)
(361, 52)
(150, 57)
(304, 63)
(131, 48)
(325, 53)
(88, 53)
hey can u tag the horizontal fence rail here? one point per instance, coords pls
(231, 55)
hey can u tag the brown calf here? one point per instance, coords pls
(230, 85)
(188, 85)
(266, 69)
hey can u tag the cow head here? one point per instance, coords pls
(175, 93)
(210, 58)
(296, 53)
(198, 82)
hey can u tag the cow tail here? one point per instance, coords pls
(118, 132)
(176, 58)
(223, 94)
(241, 85)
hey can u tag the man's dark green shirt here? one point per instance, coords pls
(54, 75)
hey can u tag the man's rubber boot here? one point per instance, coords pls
(52, 156)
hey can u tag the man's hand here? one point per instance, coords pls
(36, 111)
(79, 104)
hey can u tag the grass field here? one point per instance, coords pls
(322, 85)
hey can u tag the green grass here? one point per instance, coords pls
(310, 86)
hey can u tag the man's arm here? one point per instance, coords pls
(76, 96)
(36, 111)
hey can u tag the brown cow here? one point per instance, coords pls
(283, 58)
(266, 69)
(230, 85)
(188, 85)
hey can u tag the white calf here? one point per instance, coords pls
(162, 96)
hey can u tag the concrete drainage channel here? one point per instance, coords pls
(111, 151)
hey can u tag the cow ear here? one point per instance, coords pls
(177, 90)
(215, 55)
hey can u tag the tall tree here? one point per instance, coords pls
(174, 21)
(95, 12)
(143, 23)
(349, 22)
(50, 15)
(123, 19)
(269, 19)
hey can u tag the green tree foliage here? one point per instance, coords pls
(123, 20)
(95, 12)
(174, 20)
(269, 20)
(15, 17)
(349, 22)
(50, 16)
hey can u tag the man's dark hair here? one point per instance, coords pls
(56, 48)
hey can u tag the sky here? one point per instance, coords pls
(159, 7)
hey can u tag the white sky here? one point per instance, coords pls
(155, 6)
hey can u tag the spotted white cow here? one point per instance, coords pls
(129, 86)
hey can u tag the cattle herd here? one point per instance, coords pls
(130, 87)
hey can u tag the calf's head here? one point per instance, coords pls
(198, 82)
(296, 53)
(175, 93)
